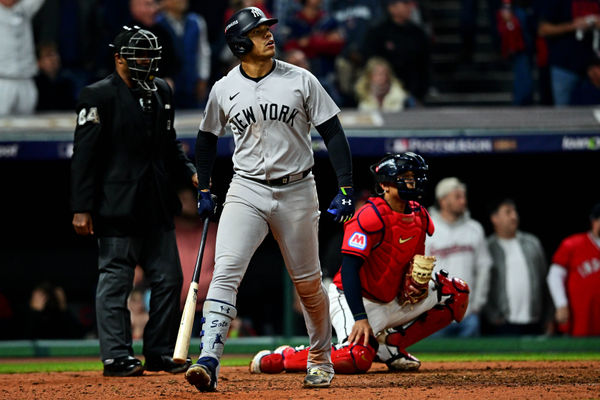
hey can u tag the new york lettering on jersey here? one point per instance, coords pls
(269, 112)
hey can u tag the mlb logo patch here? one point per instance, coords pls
(358, 241)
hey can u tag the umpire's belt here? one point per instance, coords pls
(284, 180)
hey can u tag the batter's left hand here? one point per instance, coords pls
(342, 206)
(361, 329)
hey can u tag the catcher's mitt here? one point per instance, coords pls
(416, 282)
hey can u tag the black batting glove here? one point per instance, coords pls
(342, 205)
(207, 203)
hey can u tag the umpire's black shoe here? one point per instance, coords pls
(166, 363)
(123, 366)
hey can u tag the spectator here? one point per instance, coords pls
(469, 29)
(379, 89)
(18, 93)
(298, 58)
(460, 248)
(55, 91)
(574, 278)
(136, 304)
(518, 302)
(404, 45)
(213, 12)
(188, 33)
(188, 232)
(318, 35)
(517, 47)
(144, 14)
(569, 27)
(48, 316)
(354, 17)
(75, 28)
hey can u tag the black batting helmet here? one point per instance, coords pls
(238, 26)
(390, 167)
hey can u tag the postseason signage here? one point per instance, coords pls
(361, 146)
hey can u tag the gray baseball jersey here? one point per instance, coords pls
(270, 119)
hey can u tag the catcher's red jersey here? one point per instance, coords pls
(387, 241)
(580, 255)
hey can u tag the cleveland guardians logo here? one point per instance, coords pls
(358, 241)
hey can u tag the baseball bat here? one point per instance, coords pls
(182, 345)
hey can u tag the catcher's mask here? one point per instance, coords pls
(141, 50)
(390, 167)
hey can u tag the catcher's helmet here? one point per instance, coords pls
(238, 26)
(391, 166)
(141, 50)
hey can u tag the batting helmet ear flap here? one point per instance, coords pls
(240, 45)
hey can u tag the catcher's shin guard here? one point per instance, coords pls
(294, 359)
(347, 359)
(354, 358)
(454, 297)
(268, 362)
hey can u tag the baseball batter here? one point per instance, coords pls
(383, 299)
(269, 106)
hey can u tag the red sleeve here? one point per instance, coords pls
(361, 233)
(562, 256)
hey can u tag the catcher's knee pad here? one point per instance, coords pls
(453, 299)
(354, 358)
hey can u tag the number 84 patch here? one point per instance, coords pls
(88, 116)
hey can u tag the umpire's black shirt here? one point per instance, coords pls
(126, 161)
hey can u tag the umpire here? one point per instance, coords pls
(125, 167)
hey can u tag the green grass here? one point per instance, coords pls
(42, 365)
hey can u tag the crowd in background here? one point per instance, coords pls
(370, 54)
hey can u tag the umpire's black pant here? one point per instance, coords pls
(156, 252)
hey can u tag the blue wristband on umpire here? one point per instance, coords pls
(206, 204)
(342, 206)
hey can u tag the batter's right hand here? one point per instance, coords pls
(82, 222)
(207, 204)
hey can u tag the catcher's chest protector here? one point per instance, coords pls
(403, 236)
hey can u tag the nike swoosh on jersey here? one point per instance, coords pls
(233, 97)
(404, 240)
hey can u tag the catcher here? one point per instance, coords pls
(384, 298)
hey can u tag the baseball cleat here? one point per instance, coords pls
(318, 378)
(266, 362)
(403, 361)
(203, 374)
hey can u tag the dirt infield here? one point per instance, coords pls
(445, 380)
